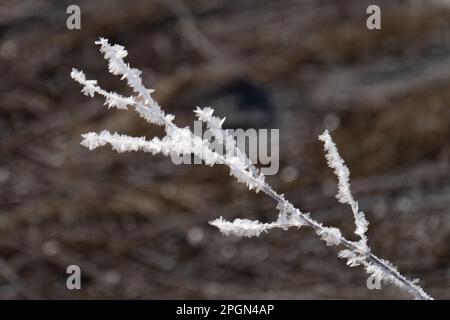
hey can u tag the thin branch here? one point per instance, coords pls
(182, 141)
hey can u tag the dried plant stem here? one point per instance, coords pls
(369, 258)
(182, 141)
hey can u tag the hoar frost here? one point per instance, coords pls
(183, 142)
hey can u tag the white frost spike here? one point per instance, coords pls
(332, 236)
(353, 259)
(289, 215)
(114, 100)
(344, 194)
(206, 115)
(376, 272)
(78, 75)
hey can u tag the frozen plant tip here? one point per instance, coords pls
(344, 195)
(182, 141)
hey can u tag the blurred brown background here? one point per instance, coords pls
(137, 225)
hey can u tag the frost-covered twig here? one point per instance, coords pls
(344, 194)
(250, 228)
(182, 141)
